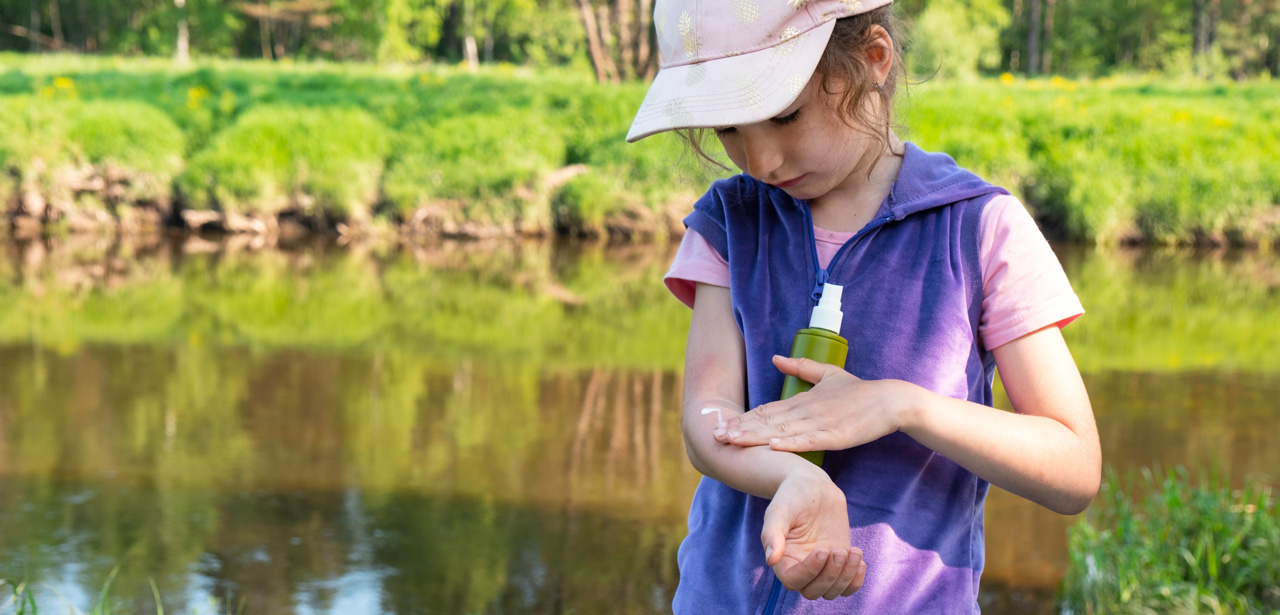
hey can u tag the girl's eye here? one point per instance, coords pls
(720, 132)
(787, 119)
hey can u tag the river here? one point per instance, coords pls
(481, 427)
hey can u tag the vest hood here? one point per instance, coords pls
(929, 180)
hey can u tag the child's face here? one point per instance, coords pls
(807, 150)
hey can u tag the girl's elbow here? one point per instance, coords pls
(1078, 499)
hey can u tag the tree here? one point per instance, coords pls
(957, 38)
(619, 38)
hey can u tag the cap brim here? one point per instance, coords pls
(731, 91)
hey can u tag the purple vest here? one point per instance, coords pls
(912, 302)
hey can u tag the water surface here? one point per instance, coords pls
(480, 428)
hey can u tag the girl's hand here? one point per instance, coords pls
(806, 538)
(840, 411)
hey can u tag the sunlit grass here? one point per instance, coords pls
(1166, 544)
(1104, 160)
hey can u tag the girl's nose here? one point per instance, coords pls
(763, 157)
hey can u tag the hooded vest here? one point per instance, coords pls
(912, 303)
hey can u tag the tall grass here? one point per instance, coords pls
(1167, 545)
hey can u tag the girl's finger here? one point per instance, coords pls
(859, 578)
(837, 575)
(799, 576)
(807, 370)
(803, 430)
(807, 441)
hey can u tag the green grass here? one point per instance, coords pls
(317, 161)
(1168, 545)
(1105, 161)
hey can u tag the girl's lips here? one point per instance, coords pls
(790, 182)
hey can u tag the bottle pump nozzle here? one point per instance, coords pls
(827, 314)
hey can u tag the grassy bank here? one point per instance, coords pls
(440, 150)
(1168, 545)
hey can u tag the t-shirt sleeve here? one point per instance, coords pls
(1024, 288)
(695, 261)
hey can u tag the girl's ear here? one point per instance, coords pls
(879, 52)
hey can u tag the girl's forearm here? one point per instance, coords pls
(757, 470)
(1036, 457)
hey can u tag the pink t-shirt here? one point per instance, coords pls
(1023, 286)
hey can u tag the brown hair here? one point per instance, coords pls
(845, 72)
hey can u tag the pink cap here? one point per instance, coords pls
(723, 67)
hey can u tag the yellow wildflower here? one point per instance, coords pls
(1181, 117)
(63, 83)
(1221, 122)
(196, 95)
(1007, 78)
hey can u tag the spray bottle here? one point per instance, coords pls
(820, 342)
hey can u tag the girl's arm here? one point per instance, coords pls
(1047, 452)
(806, 525)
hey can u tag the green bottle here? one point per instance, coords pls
(820, 342)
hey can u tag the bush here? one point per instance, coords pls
(1182, 549)
(491, 163)
(42, 137)
(325, 161)
(586, 201)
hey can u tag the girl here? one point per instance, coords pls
(946, 278)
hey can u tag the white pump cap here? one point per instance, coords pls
(827, 314)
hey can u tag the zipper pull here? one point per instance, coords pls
(817, 289)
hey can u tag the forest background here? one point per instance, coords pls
(1236, 39)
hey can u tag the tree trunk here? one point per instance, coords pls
(55, 23)
(606, 39)
(645, 63)
(599, 57)
(488, 40)
(1199, 19)
(470, 52)
(182, 50)
(264, 37)
(469, 43)
(1033, 38)
(626, 52)
(35, 24)
(82, 24)
(1046, 64)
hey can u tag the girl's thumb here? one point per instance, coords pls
(773, 536)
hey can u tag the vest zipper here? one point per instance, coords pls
(824, 274)
(774, 592)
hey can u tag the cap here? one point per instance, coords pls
(735, 62)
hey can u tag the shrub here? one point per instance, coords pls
(492, 163)
(326, 161)
(585, 202)
(42, 137)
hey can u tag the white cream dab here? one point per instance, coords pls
(709, 410)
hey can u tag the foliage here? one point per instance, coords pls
(957, 38)
(318, 161)
(1181, 548)
(1108, 161)
(1115, 162)
(42, 137)
(492, 163)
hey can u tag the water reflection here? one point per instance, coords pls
(478, 428)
